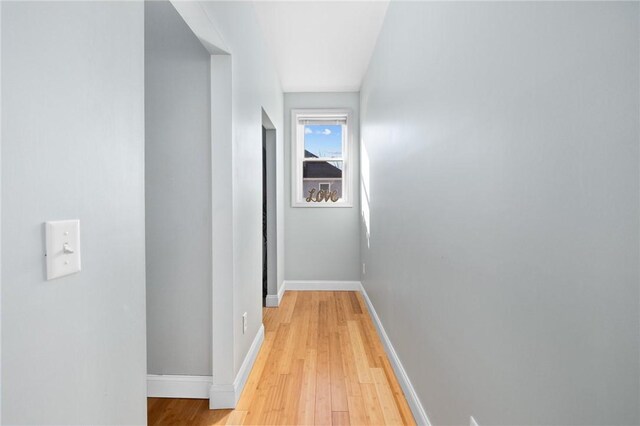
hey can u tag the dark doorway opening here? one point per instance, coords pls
(270, 213)
(265, 268)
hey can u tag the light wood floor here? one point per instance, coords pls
(321, 363)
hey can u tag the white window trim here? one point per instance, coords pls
(297, 151)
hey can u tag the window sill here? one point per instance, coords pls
(321, 205)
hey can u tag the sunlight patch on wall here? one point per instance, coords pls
(365, 187)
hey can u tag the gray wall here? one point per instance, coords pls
(321, 243)
(255, 86)
(0, 213)
(178, 195)
(503, 153)
(73, 147)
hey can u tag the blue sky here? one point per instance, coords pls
(323, 140)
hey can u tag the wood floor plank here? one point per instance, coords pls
(155, 408)
(352, 383)
(210, 417)
(271, 372)
(312, 336)
(346, 305)
(236, 417)
(398, 395)
(251, 387)
(387, 402)
(303, 320)
(340, 314)
(321, 362)
(285, 360)
(360, 355)
(270, 318)
(292, 393)
(175, 412)
(338, 386)
(258, 406)
(256, 409)
(357, 413)
(369, 342)
(340, 418)
(288, 303)
(274, 401)
(355, 304)
(307, 403)
(323, 376)
(372, 404)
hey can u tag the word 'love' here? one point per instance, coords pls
(322, 195)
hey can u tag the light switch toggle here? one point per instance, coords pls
(62, 248)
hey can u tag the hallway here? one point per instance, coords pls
(321, 362)
(319, 212)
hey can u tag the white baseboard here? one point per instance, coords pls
(273, 300)
(322, 285)
(227, 395)
(173, 386)
(417, 409)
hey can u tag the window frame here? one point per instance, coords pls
(297, 156)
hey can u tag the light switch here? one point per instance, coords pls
(63, 248)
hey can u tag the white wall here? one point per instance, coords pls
(73, 147)
(178, 195)
(322, 243)
(255, 85)
(502, 145)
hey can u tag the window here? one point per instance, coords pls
(320, 153)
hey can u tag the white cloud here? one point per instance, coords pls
(325, 132)
(307, 131)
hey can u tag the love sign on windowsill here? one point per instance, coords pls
(321, 195)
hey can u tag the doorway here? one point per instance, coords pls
(269, 239)
(265, 256)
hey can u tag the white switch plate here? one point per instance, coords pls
(63, 248)
(244, 323)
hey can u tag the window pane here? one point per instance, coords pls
(325, 176)
(322, 140)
